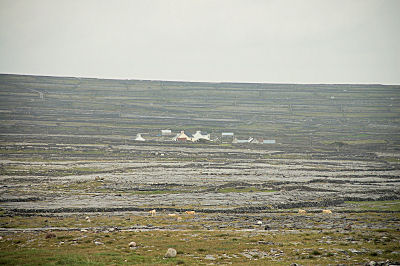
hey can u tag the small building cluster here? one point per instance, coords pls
(199, 136)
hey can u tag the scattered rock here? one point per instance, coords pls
(132, 245)
(50, 235)
(355, 251)
(247, 255)
(259, 222)
(265, 242)
(98, 243)
(381, 263)
(226, 256)
(347, 227)
(209, 257)
(171, 253)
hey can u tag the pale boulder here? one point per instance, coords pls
(171, 253)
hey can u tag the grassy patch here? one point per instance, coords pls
(246, 189)
(78, 248)
(282, 247)
(357, 141)
(155, 192)
(390, 205)
(393, 159)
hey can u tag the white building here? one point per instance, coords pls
(182, 137)
(199, 135)
(269, 141)
(166, 132)
(139, 137)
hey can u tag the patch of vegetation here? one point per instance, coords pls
(78, 248)
(155, 192)
(242, 190)
(390, 205)
(316, 252)
(393, 159)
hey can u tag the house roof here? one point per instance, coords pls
(201, 132)
(269, 141)
(139, 137)
(183, 135)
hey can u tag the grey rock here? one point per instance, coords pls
(171, 253)
(247, 255)
(210, 257)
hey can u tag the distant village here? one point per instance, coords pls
(201, 137)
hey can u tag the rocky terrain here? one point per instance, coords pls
(231, 180)
(69, 166)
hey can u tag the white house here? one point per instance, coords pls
(269, 141)
(139, 137)
(200, 136)
(166, 132)
(227, 136)
(182, 137)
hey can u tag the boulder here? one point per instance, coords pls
(209, 257)
(171, 253)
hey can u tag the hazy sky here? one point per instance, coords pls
(290, 41)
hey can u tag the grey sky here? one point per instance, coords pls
(298, 41)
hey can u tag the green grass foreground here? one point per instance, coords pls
(99, 245)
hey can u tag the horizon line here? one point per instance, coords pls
(199, 81)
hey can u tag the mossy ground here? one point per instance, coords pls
(387, 205)
(254, 246)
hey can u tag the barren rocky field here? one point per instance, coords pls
(77, 189)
